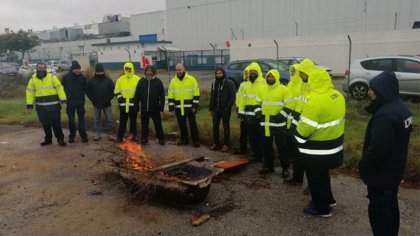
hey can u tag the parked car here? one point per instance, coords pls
(406, 68)
(53, 64)
(234, 69)
(63, 66)
(7, 69)
(295, 60)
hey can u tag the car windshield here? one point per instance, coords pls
(281, 66)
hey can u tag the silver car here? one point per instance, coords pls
(406, 68)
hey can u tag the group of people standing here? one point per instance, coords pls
(304, 120)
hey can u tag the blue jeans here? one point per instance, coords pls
(108, 119)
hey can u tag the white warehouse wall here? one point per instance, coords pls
(148, 23)
(332, 50)
(193, 24)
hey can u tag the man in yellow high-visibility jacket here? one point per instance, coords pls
(125, 89)
(298, 87)
(320, 136)
(47, 94)
(273, 97)
(183, 99)
(250, 109)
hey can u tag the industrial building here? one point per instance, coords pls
(235, 29)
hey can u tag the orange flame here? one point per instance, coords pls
(135, 157)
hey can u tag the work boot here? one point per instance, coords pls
(62, 143)
(293, 182)
(46, 142)
(71, 139)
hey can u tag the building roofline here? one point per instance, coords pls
(131, 42)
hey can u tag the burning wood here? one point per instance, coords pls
(177, 180)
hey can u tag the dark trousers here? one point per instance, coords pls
(132, 114)
(157, 121)
(51, 119)
(71, 111)
(268, 150)
(319, 184)
(293, 155)
(384, 213)
(224, 115)
(243, 137)
(254, 137)
(182, 123)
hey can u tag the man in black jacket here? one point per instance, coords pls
(100, 91)
(222, 98)
(74, 84)
(151, 96)
(385, 152)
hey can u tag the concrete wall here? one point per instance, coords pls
(332, 51)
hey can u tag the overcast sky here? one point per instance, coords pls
(44, 14)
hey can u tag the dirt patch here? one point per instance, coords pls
(59, 191)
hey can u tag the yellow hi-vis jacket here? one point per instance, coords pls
(273, 99)
(183, 94)
(46, 93)
(125, 88)
(249, 108)
(320, 131)
(299, 90)
(239, 93)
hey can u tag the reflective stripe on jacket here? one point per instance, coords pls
(183, 94)
(125, 88)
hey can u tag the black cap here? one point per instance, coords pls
(99, 68)
(75, 65)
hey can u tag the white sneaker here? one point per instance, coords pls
(97, 138)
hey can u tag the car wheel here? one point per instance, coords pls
(359, 91)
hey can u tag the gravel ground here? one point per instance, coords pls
(72, 191)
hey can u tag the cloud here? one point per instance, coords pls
(44, 14)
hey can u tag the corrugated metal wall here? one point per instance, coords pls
(148, 23)
(193, 24)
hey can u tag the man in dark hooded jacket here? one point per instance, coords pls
(222, 98)
(74, 84)
(100, 90)
(151, 96)
(385, 152)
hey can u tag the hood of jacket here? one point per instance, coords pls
(255, 66)
(319, 81)
(129, 65)
(245, 73)
(385, 86)
(276, 75)
(306, 66)
(295, 79)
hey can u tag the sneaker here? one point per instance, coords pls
(97, 138)
(45, 143)
(333, 203)
(265, 171)
(213, 147)
(225, 148)
(71, 139)
(285, 174)
(292, 181)
(62, 143)
(314, 212)
(85, 140)
(162, 142)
